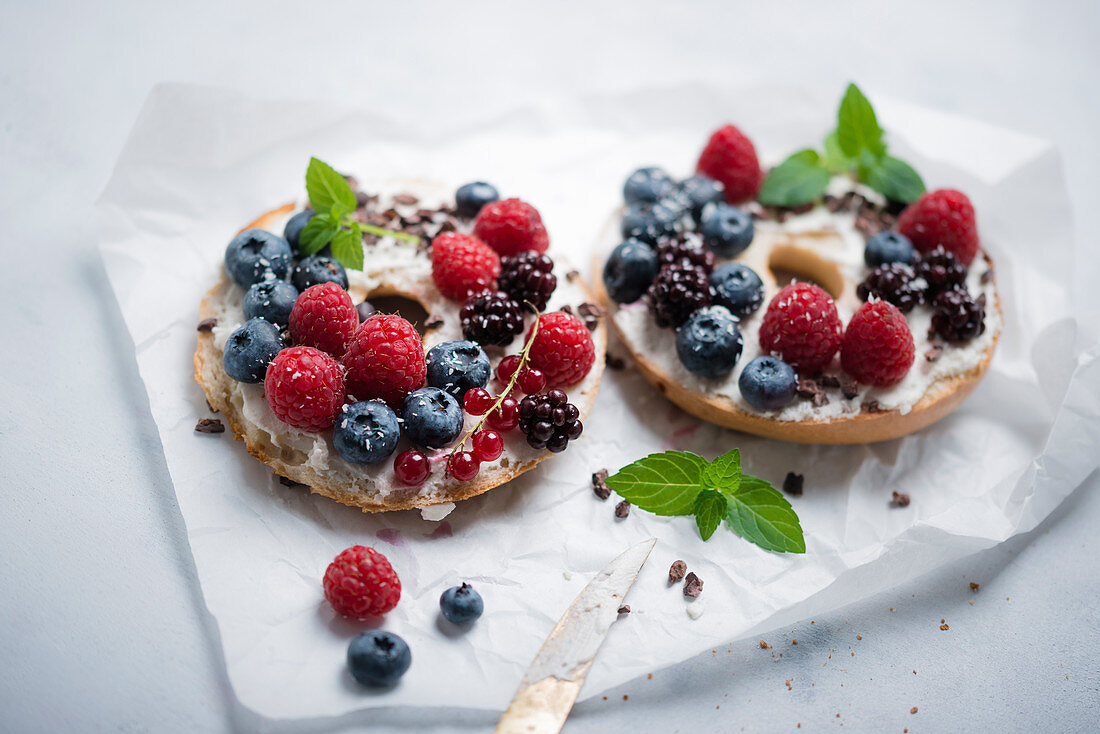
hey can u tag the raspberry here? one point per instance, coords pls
(491, 317)
(940, 269)
(462, 265)
(385, 360)
(893, 282)
(563, 350)
(682, 253)
(802, 326)
(942, 217)
(305, 388)
(549, 421)
(510, 227)
(878, 347)
(324, 317)
(361, 583)
(529, 277)
(677, 292)
(958, 317)
(729, 157)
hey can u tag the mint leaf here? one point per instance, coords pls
(895, 179)
(710, 508)
(834, 159)
(857, 128)
(327, 188)
(724, 473)
(761, 515)
(798, 180)
(317, 233)
(664, 484)
(347, 248)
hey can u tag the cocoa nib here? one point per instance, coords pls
(934, 353)
(677, 571)
(900, 500)
(207, 325)
(693, 585)
(792, 484)
(622, 509)
(405, 199)
(210, 425)
(624, 609)
(599, 484)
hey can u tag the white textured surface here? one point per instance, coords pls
(101, 617)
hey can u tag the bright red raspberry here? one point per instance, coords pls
(878, 346)
(462, 265)
(324, 317)
(510, 227)
(305, 388)
(360, 583)
(385, 360)
(730, 157)
(942, 217)
(802, 326)
(563, 350)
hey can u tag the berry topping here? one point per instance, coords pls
(270, 300)
(531, 381)
(940, 269)
(366, 310)
(957, 317)
(562, 350)
(738, 288)
(802, 326)
(324, 317)
(677, 292)
(709, 342)
(477, 401)
(684, 253)
(729, 157)
(378, 658)
(305, 388)
(463, 265)
(647, 186)
(250, 349)
(878, 346)
(294, 227)
(433, 418)
(510, 227)
(727, 230)
(528, 278)
(506, 416)
(463, 466)
(701, 190)
(888, 247)
(507, 367)
(942, 217)
(366, 432)
(385, 360)
(893, 282)
(472, 197)
(491, 317)
(768, 383)
(411, 468)
(461, 604)
(318, 269)
(256, 255)
(488, 445)
(652, 222)
(360, 583)
(549, 421)
(458, 366)
(629, 270)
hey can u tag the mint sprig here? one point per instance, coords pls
(333, 200)
(683, 483)
(856, 148)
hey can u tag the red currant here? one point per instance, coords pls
(411, 468)
(507, 368)
(488, 445)
(506, 417)
(477, 401)
(531, 381)
(463, 466)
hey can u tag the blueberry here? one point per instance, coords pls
(366, 432)
(647, 185)
(888, 247)
(318, 269)
(250, 349)
(629, 270)
(270, 300)
(461, 604)
(458, 366)
(256, 255)
(726, 229)
(701, 190)
(471, 197)
(366, 310)
(767, 383)
(709, 342)
(651, 222)
(738, 288)
(378, 658)
(433, 418)
(295, 225)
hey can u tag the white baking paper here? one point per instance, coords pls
(200, 163)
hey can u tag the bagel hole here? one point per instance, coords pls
(792, 263)
(407, 308)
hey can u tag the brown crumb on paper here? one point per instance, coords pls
(913, 710)
(622, 509)
(209, 425)
(676, 571)
(599, 484)
(792, 484)
(974, 586)
(900, 500)
(693, 585)
(765, 646)
(945, 626)
(624, 609)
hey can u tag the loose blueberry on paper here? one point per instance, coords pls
(461, 605)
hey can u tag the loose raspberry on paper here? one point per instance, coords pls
(361, 583)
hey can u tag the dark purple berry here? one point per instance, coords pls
(677, 292)
(893, 282)
(549, 421)
(940, 269)
(956, 316)
(491, 317)
(528, 277)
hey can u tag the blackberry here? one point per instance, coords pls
(893, 282)
(549, 421)
(491, 317)
(956, 316)
(528, 277)
(686, 254)
(677, 292)
(940, 269)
